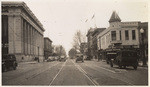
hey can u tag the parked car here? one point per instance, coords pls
(8, 61)
(56, 58)
(79, 57)
(50, 59)
(62, 59)
(125, 58)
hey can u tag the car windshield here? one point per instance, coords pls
(129, 54)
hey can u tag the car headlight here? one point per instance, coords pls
(112, 59)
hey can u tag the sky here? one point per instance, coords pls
(62, 18)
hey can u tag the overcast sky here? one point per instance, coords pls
(61, 18)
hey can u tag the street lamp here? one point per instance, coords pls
(142, 46)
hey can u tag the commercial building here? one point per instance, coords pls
(22, 33)
(94, 41)
(121, 34)
(84, 49)
(90, 42)
(47, 47)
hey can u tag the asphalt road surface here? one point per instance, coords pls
(70, 73)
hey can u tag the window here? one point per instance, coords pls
(113, 35)
(133, 35)
(126, 35)
(120, 35)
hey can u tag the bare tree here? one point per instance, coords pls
(78, 39)
(60, 50)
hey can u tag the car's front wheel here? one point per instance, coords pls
(111, 64)
(4, 68)
(14, 65)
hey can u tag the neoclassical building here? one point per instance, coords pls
(22, 33)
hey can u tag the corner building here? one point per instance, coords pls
(119, 33)
(22, 33)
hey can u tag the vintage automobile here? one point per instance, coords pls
(50, 59)
(79, 57)
(62, 59)
(111, 54)
(9, 61)
(125, 58)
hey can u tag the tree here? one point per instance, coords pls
(78, 39)
(72, 53)
(60, 50)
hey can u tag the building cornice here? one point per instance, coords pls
(25, 7)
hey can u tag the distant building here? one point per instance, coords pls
(94, 41)
(89, 42)
(47, 47)
(83, 48)
(22, 33)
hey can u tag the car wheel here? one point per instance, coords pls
(135, 67)
(111, 64)
(14, 65)
(107, 62)
(4, 68)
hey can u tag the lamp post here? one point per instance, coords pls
(142, 46)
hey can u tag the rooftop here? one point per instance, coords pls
(26, 8)
(114, 17)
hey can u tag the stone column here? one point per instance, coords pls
(23, 36)
(33, 41)
(28, 38)
(14, 29)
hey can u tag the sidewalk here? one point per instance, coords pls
(140, 63)
(30, 62)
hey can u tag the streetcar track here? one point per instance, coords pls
(36, 74)
(111, 76)
(57, 73)
(94, 82)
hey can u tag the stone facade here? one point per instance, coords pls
(25, 32)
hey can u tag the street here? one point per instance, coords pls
(70, 73)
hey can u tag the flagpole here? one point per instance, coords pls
(94, 20)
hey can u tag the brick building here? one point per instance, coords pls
(94, 41)
(84, 49)
(89, 42)
(22, 33)
(47, 47)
